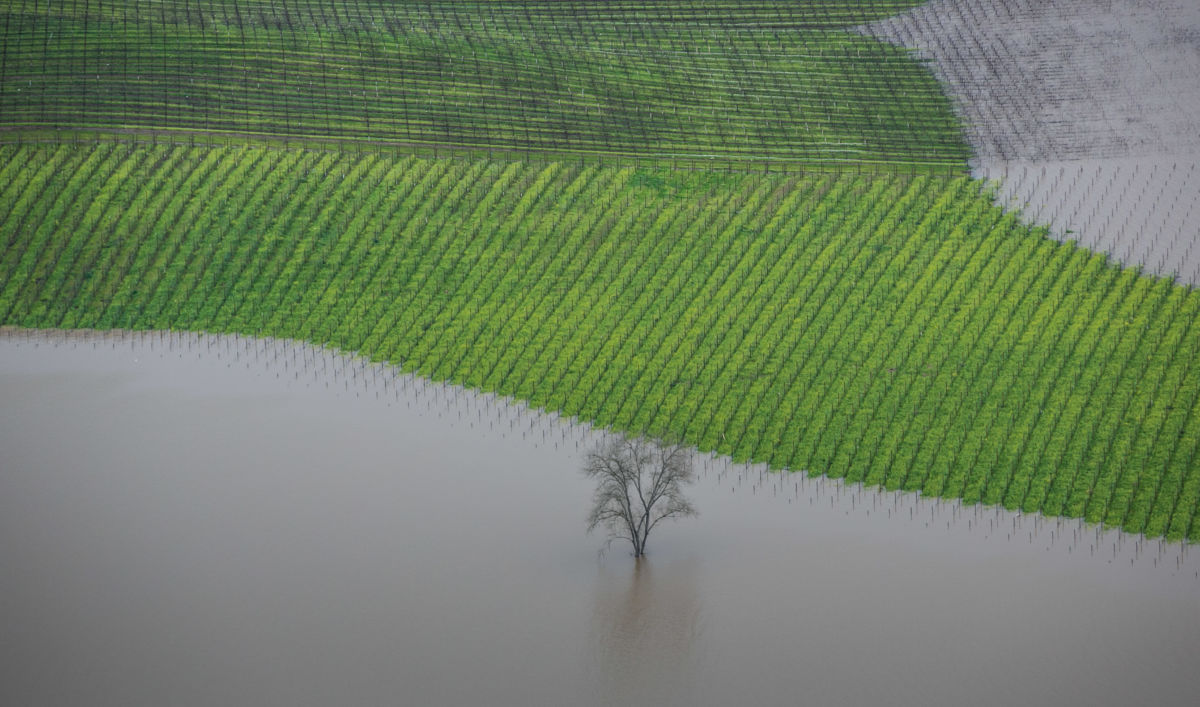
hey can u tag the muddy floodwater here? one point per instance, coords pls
(191, 520)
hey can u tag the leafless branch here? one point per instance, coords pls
(639, 483)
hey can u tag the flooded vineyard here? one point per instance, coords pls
(1083, 114)
(222, 520)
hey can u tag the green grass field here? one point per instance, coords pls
(892, 329)
(494, 193)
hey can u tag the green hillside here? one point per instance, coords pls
(893, 329)
(720, 83)
(735, 222)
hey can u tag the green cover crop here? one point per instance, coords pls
(894, 329)
(780, 84)
(737, 223)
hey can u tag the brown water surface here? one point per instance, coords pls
(212, 521)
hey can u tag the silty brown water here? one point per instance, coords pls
(204, 520)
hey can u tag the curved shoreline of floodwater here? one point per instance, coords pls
(262, 522)
(259, 521)
(300, 363)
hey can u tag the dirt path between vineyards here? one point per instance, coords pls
(1086, 113)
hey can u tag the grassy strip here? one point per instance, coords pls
(898, 330)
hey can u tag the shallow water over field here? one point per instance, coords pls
(200, 520)
(1083, 113)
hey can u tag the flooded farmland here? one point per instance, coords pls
(1082, 113)
(211, 520)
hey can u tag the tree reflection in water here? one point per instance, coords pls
(646, 625)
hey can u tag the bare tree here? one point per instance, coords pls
(639, 482)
